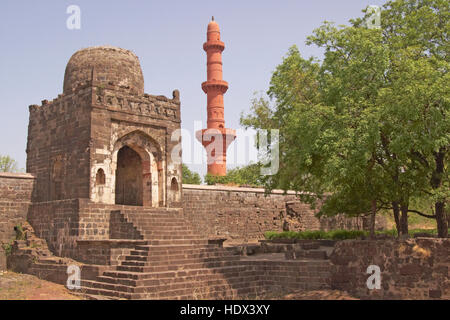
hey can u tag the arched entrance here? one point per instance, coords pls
(138, 171)
(129, 174)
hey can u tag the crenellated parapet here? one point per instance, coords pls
(64, 104)
(113, 99)
(158, 107)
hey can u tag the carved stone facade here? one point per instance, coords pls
(104, 137)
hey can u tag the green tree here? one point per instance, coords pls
(244, 176)
(7, 164)
(368, 128)
(190, 177)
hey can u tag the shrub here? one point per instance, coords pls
(316, 235)
(8, 248)
(337, 234)
(20, 234)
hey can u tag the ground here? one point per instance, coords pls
(319, 295)
(17, 286)
(414, 221)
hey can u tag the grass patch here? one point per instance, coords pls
(8, 248)
(316, 235)
(20, 234)
(338, 234)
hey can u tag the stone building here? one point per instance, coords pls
(103, 138)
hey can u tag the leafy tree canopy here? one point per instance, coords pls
(8, 164)
(190, 177)
(367, 128)
(243, 176)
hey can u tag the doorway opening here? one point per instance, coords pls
(129, 177)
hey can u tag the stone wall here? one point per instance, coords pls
(410, 269)
(63, 223)
(58, 146)
(83, 230)
(2, 259)
(244, 214)
(58, 223)
(15, 197)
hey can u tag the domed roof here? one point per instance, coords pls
(110, 64)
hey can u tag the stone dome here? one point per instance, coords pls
(110, 64)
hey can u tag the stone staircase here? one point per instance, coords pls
(172, 262)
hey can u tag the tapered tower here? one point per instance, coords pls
(216, 138)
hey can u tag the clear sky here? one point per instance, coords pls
(167, 36)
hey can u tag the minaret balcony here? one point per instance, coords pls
(219, 85)
(214, 44)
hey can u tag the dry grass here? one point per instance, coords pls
(16, 286)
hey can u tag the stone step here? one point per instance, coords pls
(193, 254)
(306, 254)
(175, 266)
(164, 231)
(170, 249)
(162, 226)
(153, 218)
(168, 295)
(171, 237)
(109, 293)
(175, 242)
(229, 271)
(161, 289)
(160, 223)
(161, 281)
(178, 261)
(155, 245)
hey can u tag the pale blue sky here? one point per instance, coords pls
(167, 36)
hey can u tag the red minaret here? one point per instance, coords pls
(215, 138)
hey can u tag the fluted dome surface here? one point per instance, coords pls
(110, 64)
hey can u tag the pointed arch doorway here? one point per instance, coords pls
(139, 172)
(129, 184)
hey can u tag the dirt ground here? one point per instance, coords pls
(319, 295)
(16, 286)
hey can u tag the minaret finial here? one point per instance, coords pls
(212, 19)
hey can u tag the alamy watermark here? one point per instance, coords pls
(73, 22)
(374, 281)
(74, 278)
(373, 21)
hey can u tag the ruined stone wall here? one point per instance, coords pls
(244, 214)
(58, 146)
(15, 197)
(233, 213)
(410, 269)
(58, 223)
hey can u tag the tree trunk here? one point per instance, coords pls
(372, 219)
(403, 221)
(439, 206)
(441, 219)
(396, 210)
